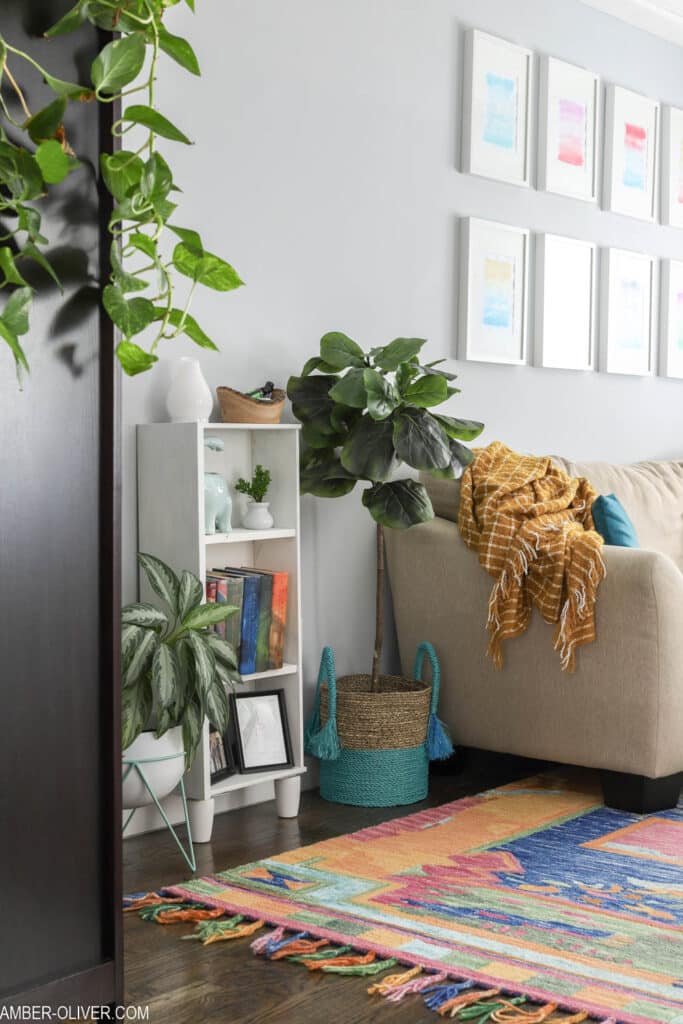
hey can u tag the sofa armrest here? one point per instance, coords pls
(623, 707)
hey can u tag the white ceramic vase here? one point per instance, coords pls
(163, 776)
(257, 516)
(189, 398)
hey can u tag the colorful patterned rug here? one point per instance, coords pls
(533, 890)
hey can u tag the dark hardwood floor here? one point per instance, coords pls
(186, 982)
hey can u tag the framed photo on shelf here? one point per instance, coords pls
(565, 325)
(631, 145)
(568, 124)
(629, 313)
(671, 351)
(494, 268)
(496, 109)
(221, 756)
(262, 730)
(672, 166)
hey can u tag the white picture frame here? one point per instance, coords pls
(631, 153)
(628, 313)
(494, 282)
(672, 167)
(496, 109)
(565, 320)
(671, 336)
(568, 127)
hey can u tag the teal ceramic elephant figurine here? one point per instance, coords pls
(217, 499)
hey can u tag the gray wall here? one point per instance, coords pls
(327, 141)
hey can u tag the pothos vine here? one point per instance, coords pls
(35, 156)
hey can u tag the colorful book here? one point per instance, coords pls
(210, 590)
(250, 618)
(234, 595)
(264, 616)
(278, 617)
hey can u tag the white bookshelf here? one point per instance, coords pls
(172, 460)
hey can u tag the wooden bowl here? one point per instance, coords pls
(239, 408)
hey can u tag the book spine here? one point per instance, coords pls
(221, 598)
(249, 626)
(233, 625)
(278, 620)
(264, 615)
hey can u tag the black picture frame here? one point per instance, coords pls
(227, 750)
(246, 750)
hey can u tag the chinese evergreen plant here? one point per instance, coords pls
(175, 667)
(363, 415)
(35, 155)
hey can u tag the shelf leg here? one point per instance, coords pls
(287, 794)
(201, 819)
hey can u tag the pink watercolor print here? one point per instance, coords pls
(572, 134)
(635, 156)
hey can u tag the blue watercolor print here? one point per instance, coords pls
(498, 298)
(500, 120)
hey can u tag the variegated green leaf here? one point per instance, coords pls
(223, 651)
(204, 663)
(162, 580)
(190, 593)
(208, 615)
(217, 706)
(164, 677)
(193, 721)
(145, 615)
(142, 658)
(130, 637)
(230, 677)
(136, 706)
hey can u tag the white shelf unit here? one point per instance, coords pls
(172, 460)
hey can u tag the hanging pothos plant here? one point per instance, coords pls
(35, 155)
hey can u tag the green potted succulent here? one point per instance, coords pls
(176, 673)
(365, 414)
(257, 513)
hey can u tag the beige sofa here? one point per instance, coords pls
(622, 710)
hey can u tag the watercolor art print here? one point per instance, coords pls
(631, 155)
(568, 120)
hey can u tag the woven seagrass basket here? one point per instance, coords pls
(375, 748)
(239, 408)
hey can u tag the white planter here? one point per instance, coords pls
(163, 776)
(257, 516)
(189, 398)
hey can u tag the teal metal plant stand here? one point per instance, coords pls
(136, 764)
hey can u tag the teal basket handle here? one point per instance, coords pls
(438, 743)
(323, 741)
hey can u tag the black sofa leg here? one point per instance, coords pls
(640, 795)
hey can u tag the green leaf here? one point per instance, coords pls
(130, 637)
(339, 351)
(134, 359)
(54, 164)
(322, 474)
(368, 452)
(144, 244)
(45, 123)
(191, 328)
(136, 707)
(71, 90)
(350, 390)
(122, 172)
(156, 122)
(32, 252)
(190, 4)
(123, 281)
(398, 351)
(117, 64)
(29, 220)
(430, 368)
(164, 677)
(207, 615)
(217, 707)
(145, 615)
(13, 342)
(193, 722)
(420, 441)
(207, 269)
(460, 430)
(204, 663)
(405, 373)
(142, 657)
(382, 396)
(130, 315)
(425, 391)
(190, 237)
(223, 651)
(161, 579)
(157, 179)
(179, 50)
(461, 456)
(316, 363)
(190, 593)
(398, 504)
(69, 22)
(312, 405)
(9, 268)
(15, 313)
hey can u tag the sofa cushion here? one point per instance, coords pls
(612, 522)
(651, 493)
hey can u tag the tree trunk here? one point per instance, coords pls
(379, 609)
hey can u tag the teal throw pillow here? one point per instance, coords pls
(612, 522)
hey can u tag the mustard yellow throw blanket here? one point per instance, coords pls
(531, 525)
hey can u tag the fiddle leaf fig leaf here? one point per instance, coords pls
(381, 393)
(155, 122)
(206, 269)
(460, 430)
(118, 64)
(339, 351)
(350, 390)
(179, 50)
(45, 123)
(368, 452)
(134, 359)
(420, 441)
(431, 389)
(398, 504)
(396, 352)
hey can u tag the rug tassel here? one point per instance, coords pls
(325, 954)
(275, 945)
(414, 986)
(394, 981)
(175, 912)
(209, 932)
(453, 1006)
(138, 900)
(258, 946)
(436, 995)
(511, 1014)
(487, 1009)
(299, 947)
(576, 1018)
(362, 969)
(439, 745)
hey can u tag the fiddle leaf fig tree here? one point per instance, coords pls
(150, 253)
(176, 670)
(364, 414)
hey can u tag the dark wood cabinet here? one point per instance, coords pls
(60, 818)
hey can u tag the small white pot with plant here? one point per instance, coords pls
(257, 513)
(176, 672)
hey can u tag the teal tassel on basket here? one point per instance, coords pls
(439, 745)
(323, 741)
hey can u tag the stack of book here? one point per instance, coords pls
(257, 630)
